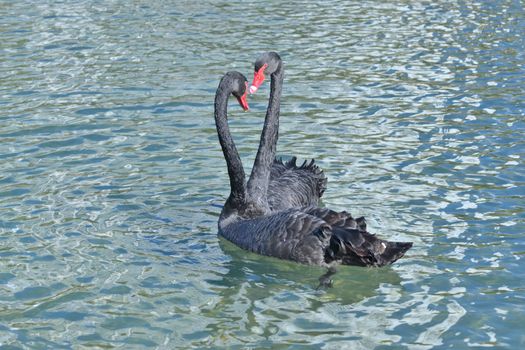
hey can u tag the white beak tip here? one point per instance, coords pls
(253, 89)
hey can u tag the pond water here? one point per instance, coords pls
(112, 176)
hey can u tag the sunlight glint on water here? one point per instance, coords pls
(112, 177)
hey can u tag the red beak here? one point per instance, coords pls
(258, 79)
(242, 100)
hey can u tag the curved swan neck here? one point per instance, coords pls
(231, 155)
(260, 175)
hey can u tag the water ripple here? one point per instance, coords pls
(113, 178)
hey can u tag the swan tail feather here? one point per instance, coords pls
(358, 247)
(394, 251)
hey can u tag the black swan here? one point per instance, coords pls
(288, 185)
(308, 235)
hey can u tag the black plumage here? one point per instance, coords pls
(275, 213)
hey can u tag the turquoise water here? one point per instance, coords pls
(112, 177)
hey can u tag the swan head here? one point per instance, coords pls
(238, 85)
(267, 64)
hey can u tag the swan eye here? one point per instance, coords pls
(258, 79)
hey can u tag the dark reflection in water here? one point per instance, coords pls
(111, 171)
(259, 283)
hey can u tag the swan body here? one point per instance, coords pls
(275, 212)
(311, 235)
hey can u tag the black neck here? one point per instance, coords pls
(233, 161)
(260, 176)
